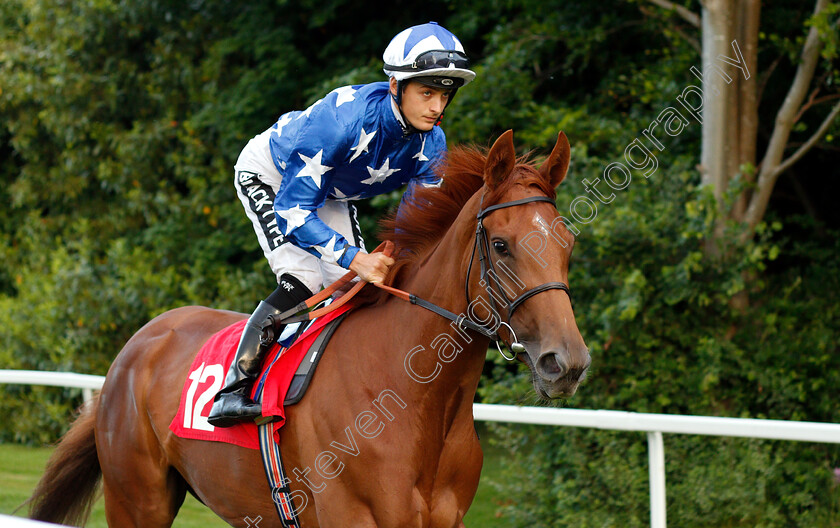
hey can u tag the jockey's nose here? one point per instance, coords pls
(437, 104)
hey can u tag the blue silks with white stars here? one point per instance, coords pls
(347, 146)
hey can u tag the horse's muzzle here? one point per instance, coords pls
(558, 374)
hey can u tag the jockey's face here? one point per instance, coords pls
(421, 104)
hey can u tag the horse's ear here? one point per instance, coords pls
(554, 168)
(500, 160)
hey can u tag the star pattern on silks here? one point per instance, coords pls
(329, 252)
(420, 156)
(308, 111)
(295, 217)
(362, 146)
(344, 95)
(380, 174)
(341, 197)
(284, 120)
(313, 167)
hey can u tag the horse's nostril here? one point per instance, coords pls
(551, 367)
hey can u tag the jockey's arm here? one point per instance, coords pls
(374, 267)
(308, 174)
(317, 238)
(296, 210)
(311, 148)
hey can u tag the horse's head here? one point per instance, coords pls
(525, 274)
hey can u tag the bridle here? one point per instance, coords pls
(481, 246)
(489, 273)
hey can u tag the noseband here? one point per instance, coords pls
(488, 273)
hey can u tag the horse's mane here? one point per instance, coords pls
(431, 210)
(426, 217)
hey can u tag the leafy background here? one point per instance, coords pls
(121, 121)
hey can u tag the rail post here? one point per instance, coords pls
(656, 468)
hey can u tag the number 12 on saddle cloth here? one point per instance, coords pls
(206, 376)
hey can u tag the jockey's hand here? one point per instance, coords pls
(371, 267)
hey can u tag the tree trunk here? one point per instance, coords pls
(730, 111)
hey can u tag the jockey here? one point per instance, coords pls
(297, 180)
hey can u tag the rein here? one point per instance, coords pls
(481, 246)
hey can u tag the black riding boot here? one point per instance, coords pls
(232, 404)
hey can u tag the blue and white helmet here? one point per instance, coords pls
(429, 51)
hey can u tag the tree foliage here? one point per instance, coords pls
(121, 122)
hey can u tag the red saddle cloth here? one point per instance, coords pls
(207, 375)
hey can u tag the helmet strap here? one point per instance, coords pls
(405, 124)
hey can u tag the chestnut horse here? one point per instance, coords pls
(385, 435)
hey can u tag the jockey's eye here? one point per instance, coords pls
(500, 247)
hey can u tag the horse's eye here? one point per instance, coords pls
(500, 247)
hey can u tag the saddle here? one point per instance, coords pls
(306, 368)
(286, 375)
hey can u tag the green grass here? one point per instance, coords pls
(21, 467)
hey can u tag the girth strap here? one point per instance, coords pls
(278, 482)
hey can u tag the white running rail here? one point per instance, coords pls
(7, 521)
(656, 424)
(652, 424)
(88, 383)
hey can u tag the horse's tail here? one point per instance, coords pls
(66, 492)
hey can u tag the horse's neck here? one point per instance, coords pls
(457, 355)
